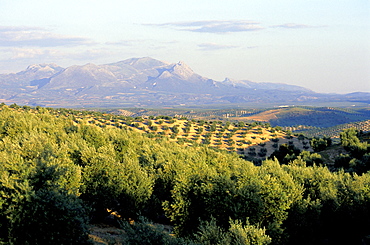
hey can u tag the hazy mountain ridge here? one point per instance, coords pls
(145, 82)
(255, 85)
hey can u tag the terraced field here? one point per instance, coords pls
(311, 121)
(255, 140)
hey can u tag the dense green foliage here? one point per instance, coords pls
(39, 184)
(288, 153)
(320, 144)
(58, 175)
(358, 157)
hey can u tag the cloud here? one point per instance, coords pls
(18, 54)
(122, 43)
(36, 37)
(18, 28)
(90, 54)
(226, 26)
(294, 26)
(44, 54)
(21, 53)
(215, 26)
(141, 42)
(214, 46)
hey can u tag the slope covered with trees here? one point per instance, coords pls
(59, 175)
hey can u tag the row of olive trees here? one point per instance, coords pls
(57, 176)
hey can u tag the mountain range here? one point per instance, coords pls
(147, 82)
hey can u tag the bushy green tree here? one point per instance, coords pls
(349, 137)
(202, 189)
(209, 233)
(14, 191)
(49, 217)
(358, 158)
(285, 153)
(143, 232)
(333, 206)
(320, 144)
(264, 194)
(40, 203)
(110, 184)
(237, 233)
(311, 158)
(240, 234)
(278, 192)
(93, 135)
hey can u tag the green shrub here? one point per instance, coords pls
(49, 217)
(211, 234)
(39, 201)
(240, 234)
(146, 233)
(237, 234)
(320, 144)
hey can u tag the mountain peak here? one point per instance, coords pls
(228, 80)
(142, 63)
(43, 67)
(34, 66)
(39, 71)
(234, 83)
(182, 70)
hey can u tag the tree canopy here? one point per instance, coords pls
(59, 175)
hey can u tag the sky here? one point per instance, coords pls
(323, 45)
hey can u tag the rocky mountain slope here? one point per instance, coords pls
(144, 82)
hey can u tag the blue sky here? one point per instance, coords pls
(322, 45)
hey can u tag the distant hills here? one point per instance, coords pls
(146, 82)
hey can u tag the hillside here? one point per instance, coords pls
(311, 121)
(255, 141)
(252, 140)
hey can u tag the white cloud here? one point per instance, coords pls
(227, 26)
(29, 53)
(37, 55)
(21, 53)
(149, 43)
(214, 46)
(18, 28)
(294, 26)
(13, 36)
(89, 55)
(122, 43)
(215, 26)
